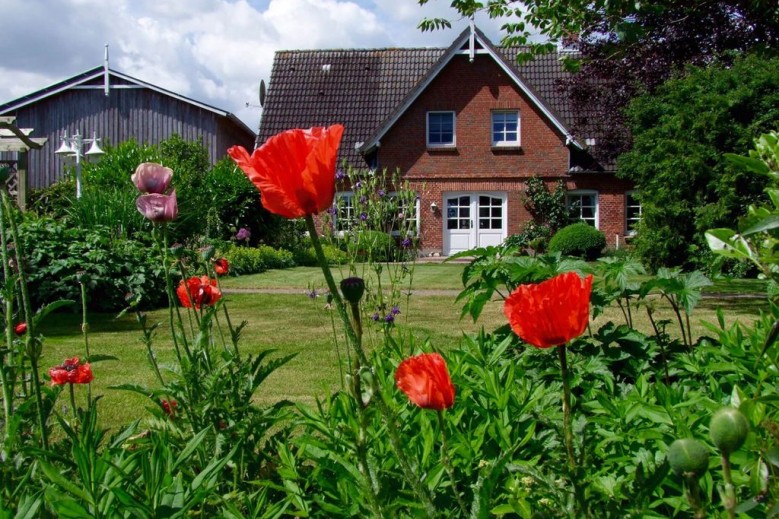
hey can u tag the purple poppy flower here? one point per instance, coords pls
(150, 177)
(243, 234)
(158, 208)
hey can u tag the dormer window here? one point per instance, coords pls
(440, 129)
(505, 128)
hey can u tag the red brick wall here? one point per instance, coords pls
(472, 90)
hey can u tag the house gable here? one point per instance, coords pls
(473, 91)
(471, 43)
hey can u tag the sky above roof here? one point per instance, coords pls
(213, 51)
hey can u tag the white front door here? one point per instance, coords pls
(473, 220)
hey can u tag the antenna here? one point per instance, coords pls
(106, 84)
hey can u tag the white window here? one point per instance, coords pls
(505, 128)
(632, 213)
(407, 219)
(344, 217)
(440, 129)
(582, 205)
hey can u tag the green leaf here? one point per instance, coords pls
(750, 163)
(49, 308)
(766, 224)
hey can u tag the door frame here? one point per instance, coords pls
(474, 238)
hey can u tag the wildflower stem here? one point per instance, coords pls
(567, 427)
(163, 246)
(448, 464)
(32, 342)
(362, 359)
(8, 302)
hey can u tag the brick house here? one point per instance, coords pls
(466, 126)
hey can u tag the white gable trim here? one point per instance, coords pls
(69, 84)
(457, 49)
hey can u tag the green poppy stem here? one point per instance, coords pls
(448, 464)
(729, 498)
(85, 332)
(567, 425)
(73, 401)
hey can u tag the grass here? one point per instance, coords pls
(293, 323)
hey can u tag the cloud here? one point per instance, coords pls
(214, 51)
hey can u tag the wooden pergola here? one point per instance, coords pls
(17, 140)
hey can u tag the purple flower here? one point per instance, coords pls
(158, 208)
(340, 175)
(389, 318)
(395, 310)
(312, 294)
(380, 192)
(375, 317)
(406, 243)
(363, 199)
(357, 185)
(243, 234)
(150, 177)
(363, 216)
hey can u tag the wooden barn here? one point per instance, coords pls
(116, 107)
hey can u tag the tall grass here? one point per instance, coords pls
(111, 207)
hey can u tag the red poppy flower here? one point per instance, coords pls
(170, 407)
(221, 267)
(294, 170)
(21, 328)
(550, 313)
(71, 372)
(426, 382)
(202, 291)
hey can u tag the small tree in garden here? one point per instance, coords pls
(548, 210)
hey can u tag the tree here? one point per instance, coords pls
(680, 134)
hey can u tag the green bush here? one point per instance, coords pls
(579, 239)
(306, 256)
(373, 245)
(58, 253)
(251, 260)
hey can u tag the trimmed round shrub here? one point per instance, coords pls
(579, 239)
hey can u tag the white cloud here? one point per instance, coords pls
(215, 51)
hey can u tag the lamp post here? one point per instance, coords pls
(72, 147)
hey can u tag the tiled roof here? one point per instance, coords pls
(362, 88)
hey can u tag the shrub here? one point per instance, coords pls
(579, 239)
(306, 256)
(251, 260)
(373, 245)
(113, 268)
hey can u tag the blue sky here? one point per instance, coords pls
(215, 51)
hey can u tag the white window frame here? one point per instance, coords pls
(628, 195)
(454, 130)
(415, 218)
(580, 193)
(513, 143)
(349, 207)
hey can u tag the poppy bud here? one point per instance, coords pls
(353, 289)
(21, 328)
(688, 457)
(728, 429)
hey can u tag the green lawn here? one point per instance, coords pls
(293, 323)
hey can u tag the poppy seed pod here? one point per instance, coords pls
(353, 289)
(688, 457)
(728, 429)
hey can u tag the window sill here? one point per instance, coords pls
(508, 149)
(442, 149)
